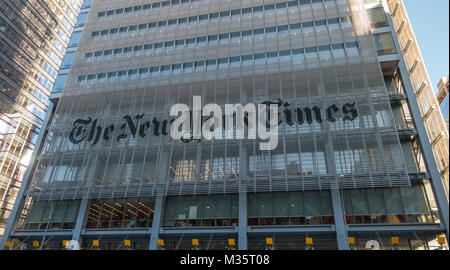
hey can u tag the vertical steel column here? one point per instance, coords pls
(81, 216)
(20, 199)
(338, 213)
(160, 199)
(341, 228)
(430, 162)
(243, 172)
(243, 165)
(82, 211)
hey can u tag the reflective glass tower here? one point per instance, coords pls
(353, 160)
(34, 36)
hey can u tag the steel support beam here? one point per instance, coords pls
(84, 204)
(341, 229)
(292, 229)
(242, 227)
(393, 227)
(81, 216)
(198, 231)
(160, 199)
(157, 217)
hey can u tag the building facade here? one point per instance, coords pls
(353, 162)
(428, 104)
(34, 36)
(443, 98)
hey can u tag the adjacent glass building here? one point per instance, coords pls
(34, 36)
(353, 160)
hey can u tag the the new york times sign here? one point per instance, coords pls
(189, 124)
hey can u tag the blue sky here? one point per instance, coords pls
(430, 22)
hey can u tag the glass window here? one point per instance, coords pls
(247, 35)
(154, 71)
(121, 213)
(235, 61)
(211, 65)
(148, 48)
(201, 211)
(224, 38)
(298, 56)
(290, 208)
(165, 70)
(101, 77)
(123, 29)
(176, 69)
(223, 63)
(190, 43)
(179, 43)
(52, 215)
(384, 43)
(143, 72)
(127, 50)
(214, 16)
(201, 41)
(67, 61)
(292, 3)
(269, 7)
(203, 18)
(193, 19)
(247, 60)
(75, 39)
(168, 44)
(235, 13)
(187, 67)
(113, 31)
(272, 57)
(235, 37)
(396, 205)
(82, 17)
(260, 58)
(338, 50)
(285, 56)
(377, 17)
(59, 83)
(307, 25)
(107, 53)
(311, 52)
(132, 28)
(199, 66)
(212, 40)
(121, 75)
(112, 76)
(87, 4)
(225, 14)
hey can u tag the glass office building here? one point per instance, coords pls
(353, 159)
(34, 37)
